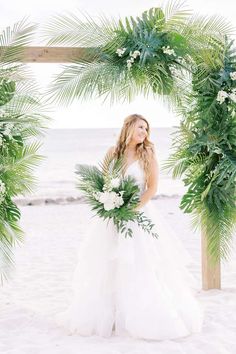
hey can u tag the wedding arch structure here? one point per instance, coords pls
(187, 60)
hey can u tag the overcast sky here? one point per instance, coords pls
(94, 113)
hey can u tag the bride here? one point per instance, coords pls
(136, 286)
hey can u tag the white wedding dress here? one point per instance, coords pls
(137, 287)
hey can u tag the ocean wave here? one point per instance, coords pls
(33, 201)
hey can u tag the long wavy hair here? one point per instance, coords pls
(144, 150)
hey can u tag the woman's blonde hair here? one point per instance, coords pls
(144, 150)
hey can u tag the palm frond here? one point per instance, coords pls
(219, 227)
(13, 39)
(6, 258)
(87, 80)
(20, 120)
(206, 34)
(106, 163)
(112, 166)
(176, 14)
(214, 25)
(17, 170)
(70, 29)
(10, 234)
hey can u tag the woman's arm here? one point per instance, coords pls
(152, 183)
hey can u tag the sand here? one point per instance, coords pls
(40, 287)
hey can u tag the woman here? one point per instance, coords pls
(137, 286)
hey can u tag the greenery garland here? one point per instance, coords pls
(21, 120)
(205, 149)
(187, 61)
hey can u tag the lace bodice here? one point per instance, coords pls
(136, 171)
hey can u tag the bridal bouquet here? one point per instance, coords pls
(112, 196)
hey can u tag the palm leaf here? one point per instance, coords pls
(20, 106)
(17, 170)
(176, 14)
(70, 30)
(12, 41)
(10, 234)
(112, 166)
(219, 227)
(87, 80)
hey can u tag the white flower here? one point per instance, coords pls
(8, 134)
(168, 51)
(232, 96)
(108, 205)
(8, 129)
(110, 200)
(120, 51)
(233, 75)
(110, 183)
(103, 196)
(135, 54)
(115, 182)
(221, 96)
(2, 187)
(233, 113)
(10, 126)
(181, 60)
(2, 190)
(129, 64)
(96, 195)
(118, 201)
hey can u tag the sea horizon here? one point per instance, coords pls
(64, 148)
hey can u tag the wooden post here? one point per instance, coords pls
(54, 54)
(210, 271)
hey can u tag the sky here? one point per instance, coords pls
(95, 113)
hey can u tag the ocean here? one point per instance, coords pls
(64, 148)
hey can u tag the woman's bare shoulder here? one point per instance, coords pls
(151, 150)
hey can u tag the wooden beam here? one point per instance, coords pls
(54, 54)
(211, 272)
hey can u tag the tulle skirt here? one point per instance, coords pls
(138, 287)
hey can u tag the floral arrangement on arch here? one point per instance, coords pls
(21, 120)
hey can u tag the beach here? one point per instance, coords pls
(62, 149)
(54, 220)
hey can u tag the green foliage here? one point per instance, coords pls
(108, 75)
(12, 41)
(205, 151)
(94, 183)
(20, 121)
(185, 59)
(7, 90)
